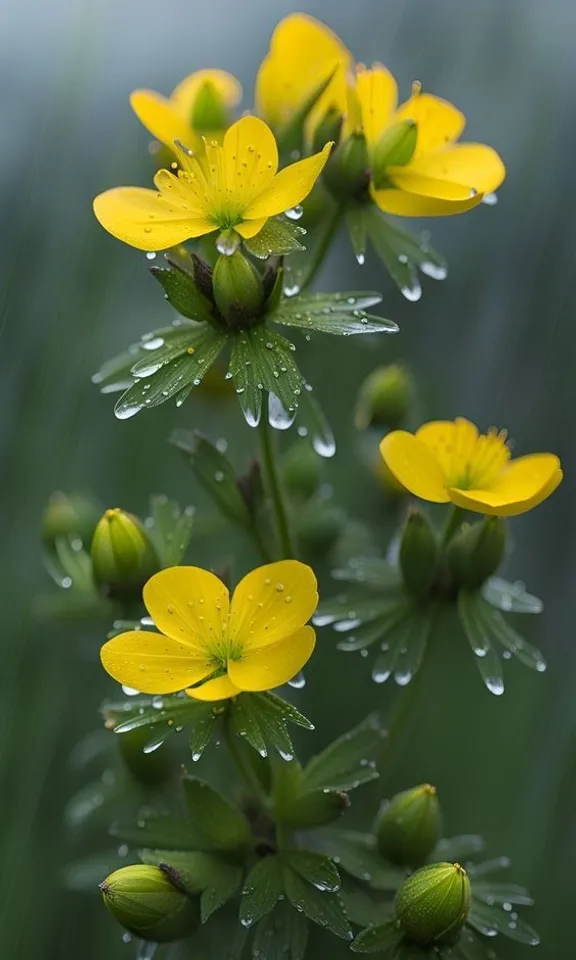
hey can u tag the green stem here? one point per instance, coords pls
(318, 255)
(273, 482)
(453, 521)
(260, 542)
(245, 769)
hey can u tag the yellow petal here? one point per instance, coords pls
(452, 443)
(146, 220)
(189, 604)
(414, 466)
(267, 667)
(439, 123)
(250, 159)
(249, 228)
(418, 183)
(227, 87)
(524, 484)
(401, 203)
(152, 663)
(303, 53)
(272, 602)
(162, 118)
(377, 94)
(289, 187)
(470, 164)
(219, 689)
(181, 192)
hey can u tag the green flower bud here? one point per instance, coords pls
(238, 290)
(328, 130)
(384, 398)
(347, 173)
(395, 148)
(302, 470)
(477, 551)
(69, 515)
(209, 112)
(432, 905)
(146, 901)
(408, 828)
(123, 556)
(418, 554)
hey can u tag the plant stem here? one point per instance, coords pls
(274, 485)
(245, 769)
(260, 542)
(453, 521)
(319, 254)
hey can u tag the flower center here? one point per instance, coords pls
(484, 464)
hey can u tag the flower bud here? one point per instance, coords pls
(418, 554)
(209, 111)
(384, 398)
(395, 147)
(477, 551)
(432, 905)
(302, 470)
(347, 173)
(238, 290)
(69, 515)
(408, 828)
(123, 556)
(147, 903)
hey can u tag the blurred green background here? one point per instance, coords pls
(495, 342)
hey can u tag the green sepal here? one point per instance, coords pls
(402, 254)
(182, 291)
(341, 314)
(238, 290)
(350, 760)
(209, 111)
(476, 552)
(263, 361)
(279, 236)
(215, 473)
(123, 555)
(395, 147)
(419, 554)
(199, 873)
(347, 173)
(223, 825)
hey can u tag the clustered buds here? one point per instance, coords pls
(123, 556)
(148, 903)
(238, 289)
(477, 551)
(432, 905)
(408, 828)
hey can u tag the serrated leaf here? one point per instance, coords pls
(170, 528)
(163, 715)
(501, 631)
(348, 761)
(115, 374)
(342, 314)
(202, 730)
(263, 888)
(510, 597)
(245, 724)
(317, 869)
(325, 909)
(281, 935)
(487, 659)
(199, 872)
(262, 360)
(384, 938)
(357, 225)
(285, 710)
(276, 238)
(223, 825)
(214, 473)
(162, 831)
(357, 854)
(176, 376)
(183, 294)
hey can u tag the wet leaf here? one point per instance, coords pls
(317, 869)
(281, 935)
(501, 631)
(357, 854)
(183, 293)
(313, 424)
(488, 920)
(348, 761)
(215, 473)
(325, 909)
(403, 255)
(474, 627)
(510, 597)
(342, 314)
(198, 872)
(263, 887)
(384, 938)
(457, 848)
(222, 824)
(262, 360)
(170, 528)
(278, 237)
(162, 831)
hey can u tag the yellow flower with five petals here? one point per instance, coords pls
(230, 186)
(447, 461)
(184, 114)
(214, 647)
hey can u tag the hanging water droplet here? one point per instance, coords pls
(490, 199)
(361, 259)
(278, 416)
(291, 289)
(412, 292)
(434, 270)
(150, 342)
(150, 255)
(295, 213)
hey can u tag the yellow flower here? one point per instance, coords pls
(436, 176)
(304, 54)
(230, 186)
(447, 461)
(214, 647)
(187, 111)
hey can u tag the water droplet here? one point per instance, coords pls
(150, 342)
(361, 259)
(227, 243)
(218, 476)
(413, 292)
(495, 685)
(291, 289)
(434, 270)
(130, 692)
(490, 199)
(279, 587)
(150, 255)
(278, 416)
(295, 213)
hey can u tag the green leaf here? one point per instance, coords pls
(348, 761)
(163, 715)
(214, 473)
(263, 888)
(170, 528)
(385, 937)
(175, 377)
(281, 935)
(316, 868)
(199, 872)
(115, 374)
(351, 610)
(360, 908)
(510, 597)
(342, 314)
(365, 634)
(70, 566)
(500, 630)
(372, 571)
(357, 854)
(490, 920)
(278, 236)
(500, 893)
(457, 848)
(262, 360)
(202, 730)
(325, 909)
(403, 254)
(162, 831)
(182, 292)
(93, 802)
(312, 808)
(281, 708)
(221, 823)
(244, 722)
(357, 224)
(313, 424)
(261, 719)
(478, 637)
